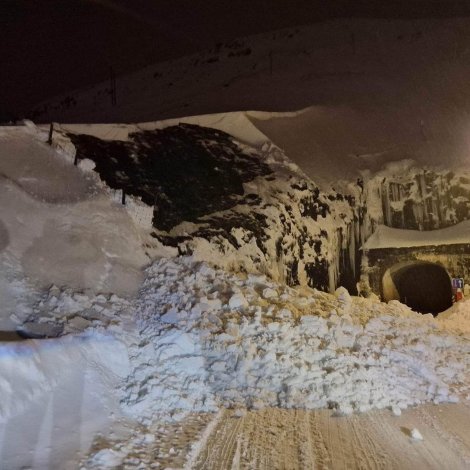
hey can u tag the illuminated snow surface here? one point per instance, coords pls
(140, 352)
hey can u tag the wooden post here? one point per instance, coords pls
(123, 198)
(51, 130)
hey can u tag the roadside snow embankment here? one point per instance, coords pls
(56, 396)
(32, 369)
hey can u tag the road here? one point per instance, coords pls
(298, 439)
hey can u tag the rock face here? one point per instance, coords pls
(420, 199)
(238, 207)
(184, 171)
(252, 210)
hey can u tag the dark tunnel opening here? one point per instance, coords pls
(424, 287)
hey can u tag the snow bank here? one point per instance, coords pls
(56, 396)
(457, 318)
(58, 226)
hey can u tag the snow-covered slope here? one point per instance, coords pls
(380, 90)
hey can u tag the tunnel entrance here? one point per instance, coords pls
(424, 287)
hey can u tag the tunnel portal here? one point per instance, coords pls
(424, 287)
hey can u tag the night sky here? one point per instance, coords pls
(49, 47)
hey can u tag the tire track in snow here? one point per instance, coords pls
(273, 438)
(221, 444)
(459, 442)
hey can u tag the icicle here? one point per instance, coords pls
(333, 265)
(352, 248)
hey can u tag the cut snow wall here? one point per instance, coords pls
(141, 214)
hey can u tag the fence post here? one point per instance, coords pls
(51, 130)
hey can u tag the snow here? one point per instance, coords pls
(377, 90)
(416, 435)
(235, 123)
(457, 318)
(59, 227)
(213, 338)
(56, 397)
(388, 237)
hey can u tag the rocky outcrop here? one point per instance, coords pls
(236, 206)
(419, 199)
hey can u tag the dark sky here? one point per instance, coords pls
(51, 46)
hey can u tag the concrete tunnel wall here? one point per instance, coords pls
(424, 286)
(380, 265)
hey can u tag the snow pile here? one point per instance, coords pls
(199, 337)
(457, 318)
(207, 336)
(58, 226)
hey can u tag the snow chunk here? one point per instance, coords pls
(270, 293)
(416, 435)
(237, 301)
(86, 164)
